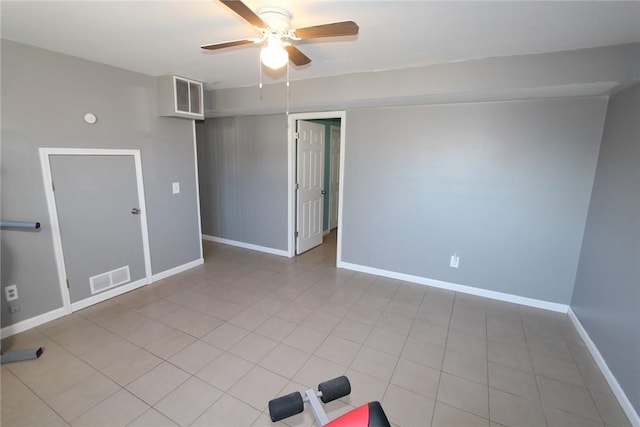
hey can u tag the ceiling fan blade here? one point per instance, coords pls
(245, 13)
(296, 56)
(227, 44)
(345, 28)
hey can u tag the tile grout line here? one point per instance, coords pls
(316, 268)
(486, 324)
(446, 341)
(535, 376)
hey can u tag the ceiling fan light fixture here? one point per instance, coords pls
(274, 55)
(275, 25)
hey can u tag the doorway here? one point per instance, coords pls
(310, 186)
(98, 222)
(333, 198)
(334, 176)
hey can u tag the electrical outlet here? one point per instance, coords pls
(176, 187)
(11, 293)
(455, 261)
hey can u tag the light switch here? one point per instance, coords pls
(176, 187)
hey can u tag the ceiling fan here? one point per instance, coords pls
(275, 25)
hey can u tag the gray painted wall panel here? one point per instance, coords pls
(44, 98)
(218, 165)
(243, 179)
(505, 185)
(543, 75)
(606, 297)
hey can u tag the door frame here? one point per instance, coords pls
(331, 129)
(313, 239)
(291, 174)
(47, 177)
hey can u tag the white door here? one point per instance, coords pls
(310, 178)
(99, 215)
(335, 177)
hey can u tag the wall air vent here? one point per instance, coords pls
(110, 279)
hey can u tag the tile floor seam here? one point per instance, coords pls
(132, 342)
(129, 342)
(297, 370)
(595, 406)
(44, 401)
(244, 375)
(97, 325)
(218, 357)
(321, 279)
(445, 346)
(593, 400)
(70, 422)
(526, 341)
(198, 416)
(589, 391)
(467, 412)
(189, 308)
(542, 402)
(486, 325)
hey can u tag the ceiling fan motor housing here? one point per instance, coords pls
(275, 25)
(277, 18)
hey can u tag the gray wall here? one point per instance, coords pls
(505, 185)
(569, 73)
(243, 179)
(606, 297)
(44, 97)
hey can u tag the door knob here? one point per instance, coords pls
(135, 211)
(323, 192)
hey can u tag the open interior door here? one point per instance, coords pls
(310, 180)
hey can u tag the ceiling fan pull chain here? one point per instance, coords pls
(288, 91)
(260, 65)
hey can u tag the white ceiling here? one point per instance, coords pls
(158, 37)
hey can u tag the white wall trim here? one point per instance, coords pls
(27, 324)
(501, 296)
(55, 230)
(291, 173)
(144, 224)
(619, 393)
(244, 245)
(53, 212)
(177, 270)
(62, 311)
(103, 296)
(195, 158)
(332, 129)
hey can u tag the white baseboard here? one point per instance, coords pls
(177, 270)
(95, 299)
(27, 324)
(530, 302)
(59, 312)
(626, 405)
(244, 245)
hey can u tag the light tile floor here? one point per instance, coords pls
(211, 346)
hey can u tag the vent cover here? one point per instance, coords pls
(110, 279)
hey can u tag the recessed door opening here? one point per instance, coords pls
(316, 143)
(98, 223)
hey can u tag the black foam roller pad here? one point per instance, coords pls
(285, 406)
(334, 389)
(377, 417)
